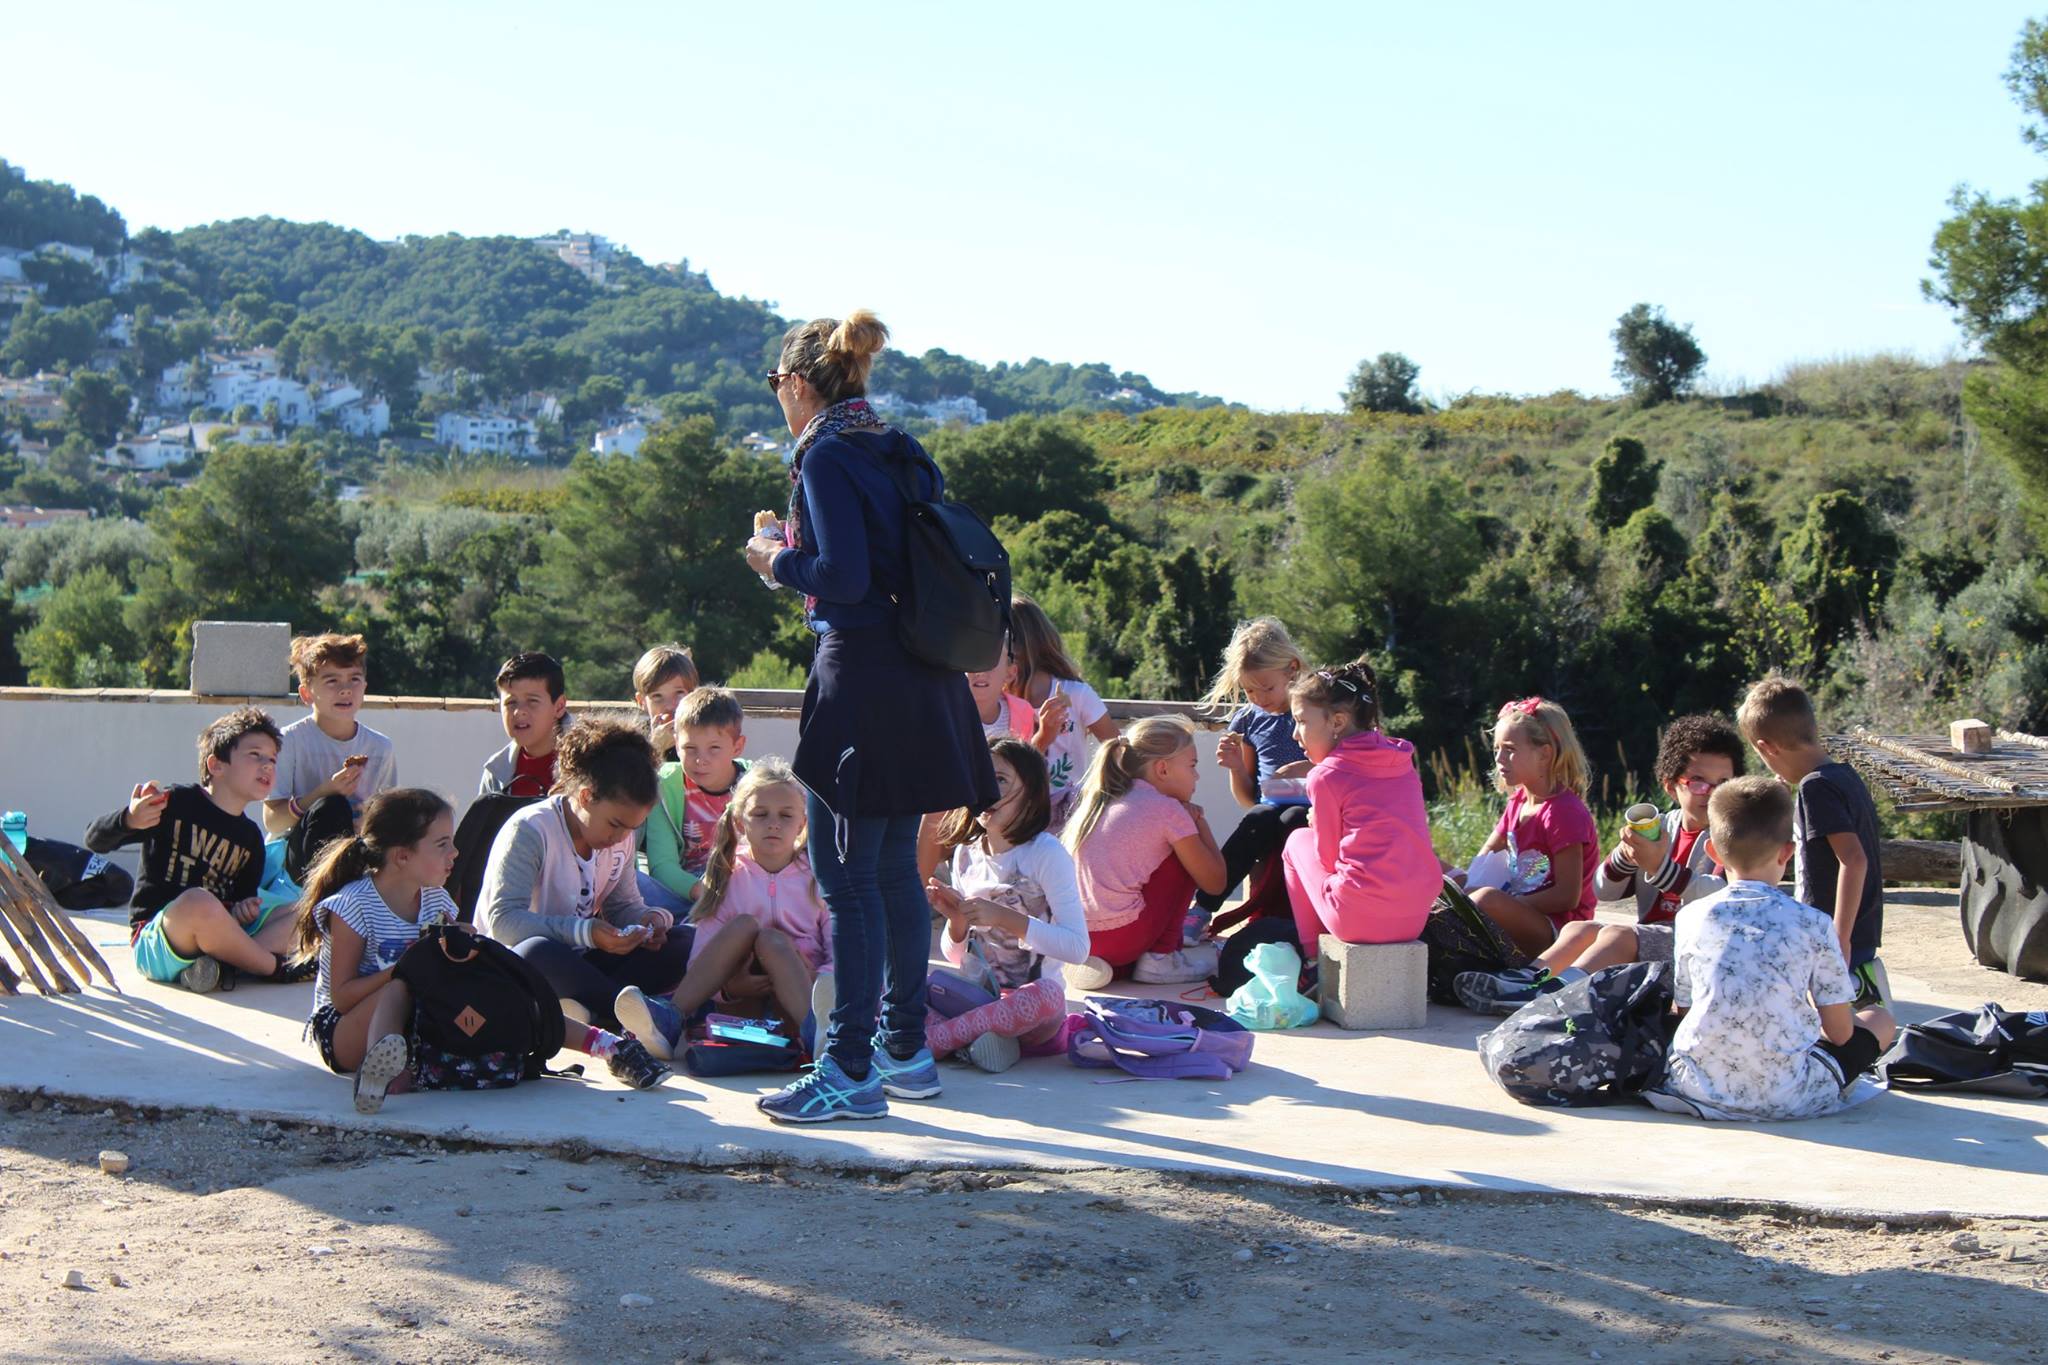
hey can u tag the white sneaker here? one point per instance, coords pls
(994, 1052)
(635, 1018)
(384, 1062)
(1196, 962)
(1091, 975)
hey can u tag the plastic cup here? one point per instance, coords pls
(1644, 819)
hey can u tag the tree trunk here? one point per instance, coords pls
(1921, 862)
(2005, 889)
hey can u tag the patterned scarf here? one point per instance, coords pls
(852, 414)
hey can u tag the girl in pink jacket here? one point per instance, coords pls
(1364, 869)
(758, 887)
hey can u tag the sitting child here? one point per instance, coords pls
(1695, 755)
(1769, 1028)
(1364, 869)
(1548, 834)
(560, 892)
(663, 677)
(710, 729)
(1838, 869)
(366, 900)
(329, 763)
(1259, 664)
(197, 919)
(1015, 908)
(534, 706)
(1141, 847)
(762, 934)
(1068, 711)
(1003, 714)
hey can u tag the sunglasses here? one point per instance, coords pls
(1698, 786)
(775, 378)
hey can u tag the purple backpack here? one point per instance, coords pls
(1159, 1040)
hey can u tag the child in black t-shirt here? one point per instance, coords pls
(195, 907)
(1837, 867)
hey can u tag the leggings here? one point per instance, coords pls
(1375, 919)
(1023, 1013)
(1157, 929)
(593, 978)
(1258, 836)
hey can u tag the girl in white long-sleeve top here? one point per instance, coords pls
(1013, 917)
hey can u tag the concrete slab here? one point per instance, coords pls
(1358, 1110)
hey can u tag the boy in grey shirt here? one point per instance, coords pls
(330, 763)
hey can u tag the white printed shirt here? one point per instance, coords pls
(1752, 964)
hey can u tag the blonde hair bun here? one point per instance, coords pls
(860, 335)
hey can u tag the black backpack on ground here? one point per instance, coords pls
(483, 1017)
(1985, 1051)
(955, 606)
(473, 839)
(1592, 1041)
(1460, 938)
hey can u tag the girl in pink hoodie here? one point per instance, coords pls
(1364, 869)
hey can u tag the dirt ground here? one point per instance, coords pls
(236, 1241)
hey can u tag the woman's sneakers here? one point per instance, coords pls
(653, 1019)
(384, 1063)
(1194, 963)
(1091, 975)
(1505, 991)
(993, 1052)
(915, 1077)
(824, 1093)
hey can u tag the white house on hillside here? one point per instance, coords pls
(624, 439)
(346, 407)
(475, 433)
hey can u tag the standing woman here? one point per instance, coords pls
(884, 738)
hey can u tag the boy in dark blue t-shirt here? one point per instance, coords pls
(1837, 868)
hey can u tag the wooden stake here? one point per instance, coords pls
(28, 962)
(28, 887)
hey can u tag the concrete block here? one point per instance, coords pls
(1373, 985)
(1969, 736)
(241, 658)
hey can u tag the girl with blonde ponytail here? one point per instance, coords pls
(365, 901)
(1141, 847)
(885, 738)
(762, 932)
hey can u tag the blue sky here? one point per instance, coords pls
(1234, 198)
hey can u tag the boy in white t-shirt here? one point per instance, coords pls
(330, 763)
(1769, 1029)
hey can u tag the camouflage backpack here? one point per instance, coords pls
(1593, 1041)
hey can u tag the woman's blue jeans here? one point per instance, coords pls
(881, 933)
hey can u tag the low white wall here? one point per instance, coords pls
(69, 757)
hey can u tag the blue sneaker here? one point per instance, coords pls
(653, 1019)
(824, 1093)
(914, 1078)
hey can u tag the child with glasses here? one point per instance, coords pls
(1661, 872)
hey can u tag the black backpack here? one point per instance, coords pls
(473, 839)
(1985, 1051)
(1460, 938)
(1592, 1041)
(955, 605)
(483, 1017)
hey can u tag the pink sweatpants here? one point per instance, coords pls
(1025, 1013)
(1316, 914)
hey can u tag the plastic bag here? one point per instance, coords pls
(1272, 999)
(1488, 869)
